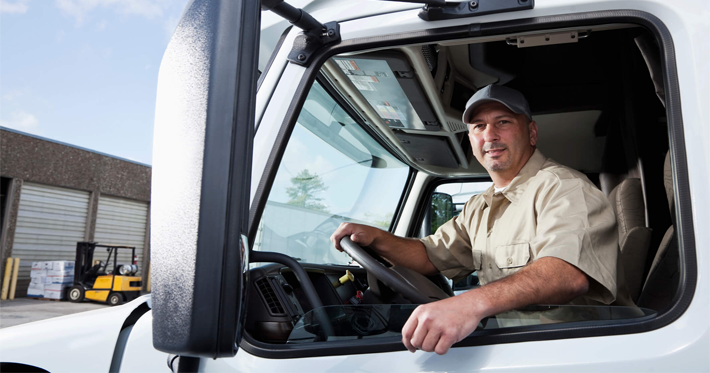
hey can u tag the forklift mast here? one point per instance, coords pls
(85, 259)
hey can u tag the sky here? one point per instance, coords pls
(85, 72)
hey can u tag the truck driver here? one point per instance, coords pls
(542, 234)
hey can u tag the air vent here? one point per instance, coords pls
(457, 127)
(269, 296)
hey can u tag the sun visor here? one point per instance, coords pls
(429, 150)
(388, 82)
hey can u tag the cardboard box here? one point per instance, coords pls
(60, 274)
(54, 291)
(37, 265)
(39, 281)
(59, 280)
(35, 291)
(38, 272)
(63, 265)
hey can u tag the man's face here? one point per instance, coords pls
(502, 141)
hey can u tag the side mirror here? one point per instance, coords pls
(441, 210)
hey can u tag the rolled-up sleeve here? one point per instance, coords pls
(449, 249)
(576, 223)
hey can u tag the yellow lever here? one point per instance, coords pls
(348, 276)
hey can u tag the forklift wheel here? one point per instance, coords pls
(76, 293)
(115, 299)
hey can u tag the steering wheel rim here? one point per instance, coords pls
(388, 276)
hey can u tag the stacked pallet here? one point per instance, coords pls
(49, 280)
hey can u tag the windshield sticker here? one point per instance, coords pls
(391, 115)
(379, 74)
(349, 67)
(363, 86)
(364, 78)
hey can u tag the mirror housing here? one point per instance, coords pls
(204, 128)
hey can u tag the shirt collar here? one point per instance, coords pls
(516, 186)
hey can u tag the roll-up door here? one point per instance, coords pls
(122, 222)
(50, 221)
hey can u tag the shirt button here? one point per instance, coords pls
(510, 260)
(490, 266)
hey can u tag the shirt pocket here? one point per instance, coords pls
(512, 256)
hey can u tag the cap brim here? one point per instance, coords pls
(468, 114)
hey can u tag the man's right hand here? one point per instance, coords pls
(363, 235)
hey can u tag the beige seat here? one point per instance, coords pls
(634, 237)
(664, 276)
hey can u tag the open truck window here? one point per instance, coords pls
(597, 110)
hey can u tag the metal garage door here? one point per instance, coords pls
(50, 221)
(121, 222)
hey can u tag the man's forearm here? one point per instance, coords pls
(406, 252)
(546, 281)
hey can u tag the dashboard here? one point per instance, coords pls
(277, 301)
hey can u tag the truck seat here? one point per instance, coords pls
(634, 237)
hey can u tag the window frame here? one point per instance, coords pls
(684, 222)
(422, 206)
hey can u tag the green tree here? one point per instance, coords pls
(304, 191)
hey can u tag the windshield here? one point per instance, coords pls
(332, 172)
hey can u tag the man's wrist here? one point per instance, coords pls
(478, 303)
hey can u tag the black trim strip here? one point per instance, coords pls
(403, 198)
(273, 57)
(679, 161)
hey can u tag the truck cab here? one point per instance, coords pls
(355, 116)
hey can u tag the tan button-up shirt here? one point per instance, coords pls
(547, 210)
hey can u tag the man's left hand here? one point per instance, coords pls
(434, 327)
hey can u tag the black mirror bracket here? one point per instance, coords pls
(314, 36)
(453, 10)
(307, 43)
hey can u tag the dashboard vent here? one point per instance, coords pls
(457, 127)
(269, 296)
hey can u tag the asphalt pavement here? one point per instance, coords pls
(23, 310)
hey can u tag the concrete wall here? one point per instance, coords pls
(25, 157)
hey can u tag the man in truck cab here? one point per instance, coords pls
(542, 234)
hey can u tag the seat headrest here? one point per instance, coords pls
(668, 180)
(627, 201)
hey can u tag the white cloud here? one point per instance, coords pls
(15, 93)
(22, 121)
(17, 7)
(101, 25)
(80, 9)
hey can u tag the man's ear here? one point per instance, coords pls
(532, 128)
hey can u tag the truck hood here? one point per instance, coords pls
(79, 342)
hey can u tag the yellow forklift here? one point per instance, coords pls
(101, 281)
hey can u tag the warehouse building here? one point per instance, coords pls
(53, 195)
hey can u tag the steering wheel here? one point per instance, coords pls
(412, 285)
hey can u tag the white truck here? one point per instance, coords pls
(359, 118)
